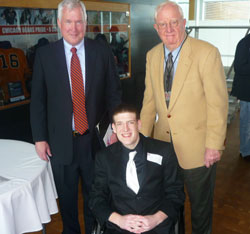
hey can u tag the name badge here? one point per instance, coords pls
(155, 158)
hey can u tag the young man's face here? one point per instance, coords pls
(127, 127)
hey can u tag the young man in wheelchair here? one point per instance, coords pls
(137, 186)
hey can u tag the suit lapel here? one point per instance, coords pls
(116, 150)
(62, 67)
(118, 163)
(147, 170)
(182, 70)
(158, 71)
(144, 154)
(90, 55)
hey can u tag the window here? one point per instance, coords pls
(225, 10)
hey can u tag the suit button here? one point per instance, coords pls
(138, 198)
(169, 116)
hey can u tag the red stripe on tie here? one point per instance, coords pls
(78, 96)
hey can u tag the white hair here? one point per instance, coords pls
(162, 5)
(71, 4)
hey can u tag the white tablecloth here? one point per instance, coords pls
(28, 195)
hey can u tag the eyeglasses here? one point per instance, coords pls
(171, 23)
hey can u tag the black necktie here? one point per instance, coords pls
(168, 76)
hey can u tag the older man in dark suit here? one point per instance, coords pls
(139, 194)
(74, 83)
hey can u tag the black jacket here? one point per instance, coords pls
(161, 188)
(241, 83)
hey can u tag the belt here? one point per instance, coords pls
(76, 134)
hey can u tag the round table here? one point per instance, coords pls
(27, 189)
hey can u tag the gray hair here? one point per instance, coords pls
(71, 4)
(162, 5)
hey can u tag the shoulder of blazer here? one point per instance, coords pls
(196, 49)
(52, 46)
(93, 45)
(245, 41)
(88, 42)
(115, 148)
(198, 45)
(156, 50)
(110, 156)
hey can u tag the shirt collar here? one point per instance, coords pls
(68, 46)
(174, 52)
(138, 148)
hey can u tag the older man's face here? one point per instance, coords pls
(72, 25)
(170, 26)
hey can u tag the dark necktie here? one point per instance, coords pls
(78, 97)
(168, 77)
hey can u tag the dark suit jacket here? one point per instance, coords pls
(161, 189)
(51, 103)
(241, 83)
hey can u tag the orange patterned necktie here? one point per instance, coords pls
(78, 97)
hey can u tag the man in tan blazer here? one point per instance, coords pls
(193, 114)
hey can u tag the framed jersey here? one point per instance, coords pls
(14, 74)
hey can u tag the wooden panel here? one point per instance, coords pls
(30, 3)
(15, 104)
(191, 9)
(49, 4)
(107, 6)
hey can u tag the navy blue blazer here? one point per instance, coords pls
(51, 102)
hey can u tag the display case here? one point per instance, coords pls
(27, 25)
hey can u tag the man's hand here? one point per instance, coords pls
(211, 156)
(149, 222)
(131, 223)
(43, 150)
(138, 223)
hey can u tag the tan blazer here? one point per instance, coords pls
(197, 112)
